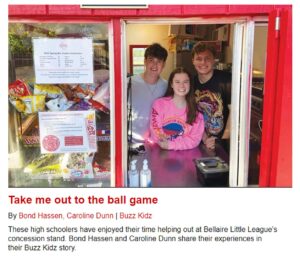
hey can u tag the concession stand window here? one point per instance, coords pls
(242, 52)
(59, 105)
(243, 71)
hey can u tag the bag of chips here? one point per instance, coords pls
(18, 104)
(18, 88)
(45, 165)
(48, 90)
(33, 104)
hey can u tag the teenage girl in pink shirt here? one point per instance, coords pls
(175, 123)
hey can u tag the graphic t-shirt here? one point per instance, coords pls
(169, 122)
(213, 98)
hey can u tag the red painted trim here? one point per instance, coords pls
(151, 11)
(118, 102)
(115, 12)
(161, 10)
(251, 9)
(269, 102)
(281, 163)
(276, 154)
(15, 10)
(68, 10)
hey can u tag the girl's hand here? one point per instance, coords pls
(163, 144)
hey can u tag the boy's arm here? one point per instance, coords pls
(226, 134)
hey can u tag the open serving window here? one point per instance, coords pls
(234, 40)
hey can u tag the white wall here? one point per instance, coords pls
(141, 34)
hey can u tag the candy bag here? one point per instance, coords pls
(77, 165)
(59, 104)
(102, 95)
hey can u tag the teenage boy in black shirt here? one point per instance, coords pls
(212, 93)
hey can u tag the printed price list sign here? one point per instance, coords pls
(63, 60)
(69, 131)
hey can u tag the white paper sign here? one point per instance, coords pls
(63, 60)
(67, 131)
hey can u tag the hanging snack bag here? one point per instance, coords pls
(77, 165)
(102, 95)
(85, 91)
(45, 165)
(67, 91)
(59, 104)
(101, 171)
(80, 106)
(18, 104)
(33, 104)
(48, 90)
(18, 89)
(98, 106)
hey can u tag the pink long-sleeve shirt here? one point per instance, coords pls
(169, 122)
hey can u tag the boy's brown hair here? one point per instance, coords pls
(201, 47)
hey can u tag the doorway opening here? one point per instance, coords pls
(178, 37)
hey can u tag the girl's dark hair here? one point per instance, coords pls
(190, 97)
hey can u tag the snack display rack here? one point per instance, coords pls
(29, 164)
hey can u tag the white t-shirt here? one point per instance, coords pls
(143, 95)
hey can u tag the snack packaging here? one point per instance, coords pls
(81, 105)
(59, 104)
(18, 88)
(45, 165)
(29, 131)
(33, 104)
(67, 90)
(18, 104)
(77, 165)
(85, 91)
(102, 95)
(50, 91)
(99, 106)
(101, 171)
